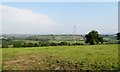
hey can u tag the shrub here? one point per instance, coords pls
(44, 44)
(17, 44)
(53, 44)
(31, 44)
(64, 43)
(25, 44)
(36, 44)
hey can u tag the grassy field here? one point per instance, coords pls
(96, 57)
(60, 37)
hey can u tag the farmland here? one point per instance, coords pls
(20, 40)
(87, 57)
(62, 35)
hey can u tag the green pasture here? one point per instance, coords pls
(89, 57)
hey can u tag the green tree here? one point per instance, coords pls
(6, 42)
(93, 38)
(31, 44)
(101, 39)
(64, 43)
(17, 44)
(118, 37)
(36, 45)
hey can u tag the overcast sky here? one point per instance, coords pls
(59, 17)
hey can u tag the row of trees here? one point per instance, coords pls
(92, 38)
(40, 44)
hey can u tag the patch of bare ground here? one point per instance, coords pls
(24, 62)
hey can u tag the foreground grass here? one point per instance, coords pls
(96, 57)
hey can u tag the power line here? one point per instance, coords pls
(74, 33)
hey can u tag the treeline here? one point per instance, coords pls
(39, 44)
(92, 38)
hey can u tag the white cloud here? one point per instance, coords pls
(16, 20)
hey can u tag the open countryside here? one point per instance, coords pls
(51, 36)
(96, 57)
(66, 56)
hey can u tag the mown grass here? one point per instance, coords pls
(91, 57)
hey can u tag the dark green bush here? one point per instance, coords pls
(64, 43)
(17, 44)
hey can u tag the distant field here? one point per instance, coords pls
(83, 42)
(96, 57)
(59, 37)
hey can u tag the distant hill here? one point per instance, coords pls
(58, 37)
